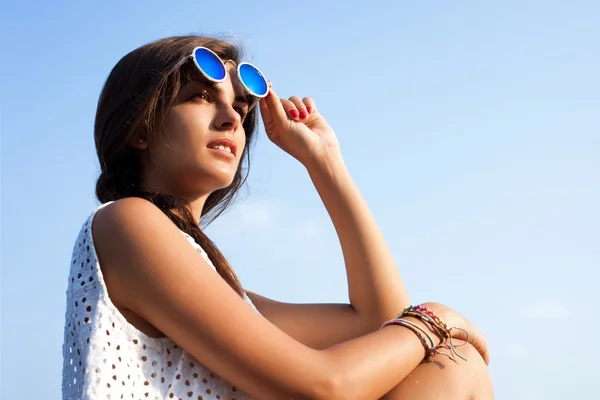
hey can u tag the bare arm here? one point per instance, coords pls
(375, 288)
(318, 326)
(152, 271)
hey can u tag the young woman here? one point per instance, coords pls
(155, 311)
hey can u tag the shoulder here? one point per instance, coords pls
(126, 211)
(129, 218)
(131, 225)
(134, 239)
(132, 229)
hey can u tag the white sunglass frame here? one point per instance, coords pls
(237, 68)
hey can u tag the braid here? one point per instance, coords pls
(110, 187)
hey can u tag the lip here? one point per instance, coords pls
(224, 142)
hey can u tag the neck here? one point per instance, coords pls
(195, 200)
(197, 205)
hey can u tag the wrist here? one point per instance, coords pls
(329, 164)
(422, 333)
(435, 324)
(333, 182)
(437, 340)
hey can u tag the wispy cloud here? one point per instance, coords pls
(533, 395)
(517, 351)
(545, 311)
(274, 230)
(257, 213)
(247, 217)
(312, 230)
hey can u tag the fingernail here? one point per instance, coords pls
(294, 113)
(308, 109)
(303, 114)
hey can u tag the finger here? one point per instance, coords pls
(473, 336)
(478, 341)
(264, 111)
(290, 109)
(486, 356)
(300, 106)
(310, 105)
(275, 108)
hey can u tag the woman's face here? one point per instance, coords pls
(199, 147)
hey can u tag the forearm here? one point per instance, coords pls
(368, 367)
(376, 290)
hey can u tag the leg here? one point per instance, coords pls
(441, 378)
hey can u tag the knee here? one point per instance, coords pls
(473, 373)
(442, 378)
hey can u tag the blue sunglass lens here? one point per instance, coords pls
(253, 80)
(210, 64)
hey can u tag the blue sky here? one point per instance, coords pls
(471, 128)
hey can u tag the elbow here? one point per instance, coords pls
(327, 379)
(333, 387)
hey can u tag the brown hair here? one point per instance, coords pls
(133, 103)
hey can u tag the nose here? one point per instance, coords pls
(227, 119)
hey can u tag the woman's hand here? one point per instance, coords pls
(297, 127)
(454, 319)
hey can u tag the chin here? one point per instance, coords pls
(222, 181)
(209, 178)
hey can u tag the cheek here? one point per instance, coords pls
(241, 153)
(183, 129)
(243, 140)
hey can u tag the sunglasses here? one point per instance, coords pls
(213, 68)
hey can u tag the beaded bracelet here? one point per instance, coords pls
(428, 316)
(436, 324)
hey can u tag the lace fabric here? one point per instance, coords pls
(104, 356)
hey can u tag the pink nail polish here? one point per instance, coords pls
(294, 113)
(308, 109)
(303, 114)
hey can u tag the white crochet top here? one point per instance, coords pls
(105, 357)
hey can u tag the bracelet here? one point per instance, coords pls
(408, 324)
(436, 324)
(428, 316)
(417, 330)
